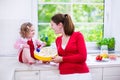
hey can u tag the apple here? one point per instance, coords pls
(99, 58)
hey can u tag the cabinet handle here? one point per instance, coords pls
(36, 73)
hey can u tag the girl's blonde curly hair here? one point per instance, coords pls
(25, 29)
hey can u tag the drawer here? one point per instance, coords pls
(49, 75)
(111, 78)
(96, 73)
(26, 75)
(111, 71)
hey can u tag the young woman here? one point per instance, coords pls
(72, 53)
(27, 44)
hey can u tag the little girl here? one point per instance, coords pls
(26, 44)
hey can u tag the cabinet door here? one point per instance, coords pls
(111, 73)
(111, 78)
(26, 75)
(49, 75)
(96, 73)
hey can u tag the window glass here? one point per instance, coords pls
(54, 0)
(45, 11)
(87, 15)
(91, 1)
(92, 32)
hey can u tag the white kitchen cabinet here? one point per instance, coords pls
(96, 73)
(111, 73)
(37, 75)
(49, 75)
(105, 73)
(111, 78)
(99, 70)
(26, 75)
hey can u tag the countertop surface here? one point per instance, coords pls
(6, 62)
(10, 64)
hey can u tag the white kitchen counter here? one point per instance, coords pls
(10, 64)
(93, 63)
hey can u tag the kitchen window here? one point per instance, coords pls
(87, 15)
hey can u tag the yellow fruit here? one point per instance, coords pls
(104, 55)
(45, 54)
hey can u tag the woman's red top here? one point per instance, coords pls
(74, 55)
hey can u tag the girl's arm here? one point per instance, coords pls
(40, 43)
(20, 44)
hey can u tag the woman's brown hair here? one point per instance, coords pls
(66, 20)
(25, 29)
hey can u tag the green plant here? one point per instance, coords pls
(110, 42)
(48, 36)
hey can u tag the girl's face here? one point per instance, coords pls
(31, 32)
(57, 28)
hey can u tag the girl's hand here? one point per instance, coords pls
(41, 45)
(57, 59)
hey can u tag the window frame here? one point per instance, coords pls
(91, 46)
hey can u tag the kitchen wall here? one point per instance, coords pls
(115, 22)
(14, 12)
(112, 18)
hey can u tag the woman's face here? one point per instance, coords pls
(57, 28)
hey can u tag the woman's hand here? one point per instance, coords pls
(57, 59)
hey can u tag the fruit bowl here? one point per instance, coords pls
(45, 54)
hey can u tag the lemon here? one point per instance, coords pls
(45, 54)
(104, 55)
